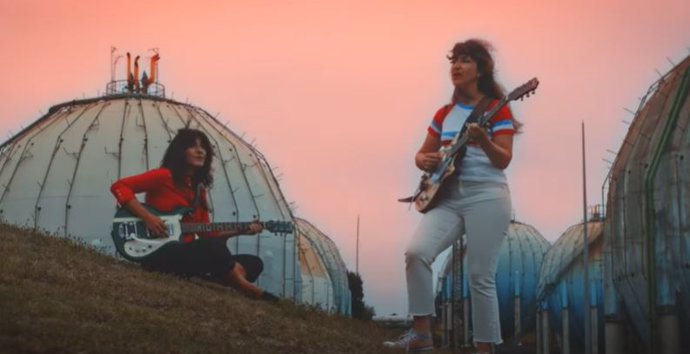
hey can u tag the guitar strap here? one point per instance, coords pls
(197, 194)
(478, 110)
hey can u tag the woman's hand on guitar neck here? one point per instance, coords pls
(254, 228)
(477, 133)
(498, 149)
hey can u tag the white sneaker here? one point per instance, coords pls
(412, 342)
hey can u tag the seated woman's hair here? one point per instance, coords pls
(175, 158)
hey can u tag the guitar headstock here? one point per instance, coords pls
(524, 90)
(279, 227)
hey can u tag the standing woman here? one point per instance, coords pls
(181, 181)
(476, 202)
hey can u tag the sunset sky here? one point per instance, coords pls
(338, 94)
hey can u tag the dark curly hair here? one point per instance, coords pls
(175, 158)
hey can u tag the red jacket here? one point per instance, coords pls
(163, 195)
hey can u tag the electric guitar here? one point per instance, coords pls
(134, 241)
(426, 196)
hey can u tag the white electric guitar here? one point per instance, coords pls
(134, 241)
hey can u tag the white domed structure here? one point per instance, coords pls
(55, 175)
(323, 272)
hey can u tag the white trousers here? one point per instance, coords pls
(481, 211)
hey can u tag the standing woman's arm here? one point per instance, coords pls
(499, 149)
(428, 155)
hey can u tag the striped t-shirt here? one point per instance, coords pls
(475, 166)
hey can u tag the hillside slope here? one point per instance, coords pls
(57, 296)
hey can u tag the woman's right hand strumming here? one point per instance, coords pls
(427, 161)
(155, 225)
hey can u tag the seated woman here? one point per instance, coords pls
(184, 173)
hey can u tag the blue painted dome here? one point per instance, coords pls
(516, 277)
(561, 281)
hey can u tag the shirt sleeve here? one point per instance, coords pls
(436, 126)
(125, 188)
(502, 122)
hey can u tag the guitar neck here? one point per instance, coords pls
(188, 228)
(462, 141)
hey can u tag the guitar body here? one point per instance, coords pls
(134, 242)
(430, 185)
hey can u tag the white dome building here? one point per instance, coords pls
(55, 175)
(324, 279)
(317, 285)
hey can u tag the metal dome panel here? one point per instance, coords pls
(330, 256)
(520, 259)
(648, 232)
(565, 252)
(316, 284)
(561, 282)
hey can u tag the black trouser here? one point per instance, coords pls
(201, 257)
(209, 258)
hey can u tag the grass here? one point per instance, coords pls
(59, 296)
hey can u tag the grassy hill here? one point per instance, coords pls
(57, 296)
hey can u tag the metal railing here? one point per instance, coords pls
(119, 87)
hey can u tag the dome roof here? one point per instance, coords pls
(565, 252)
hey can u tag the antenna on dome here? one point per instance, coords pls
(148, 84)
(113, 62)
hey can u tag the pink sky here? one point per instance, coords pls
(338, 95)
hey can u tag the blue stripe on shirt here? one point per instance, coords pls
(434, 126)
(448, 135)
(503, 125)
